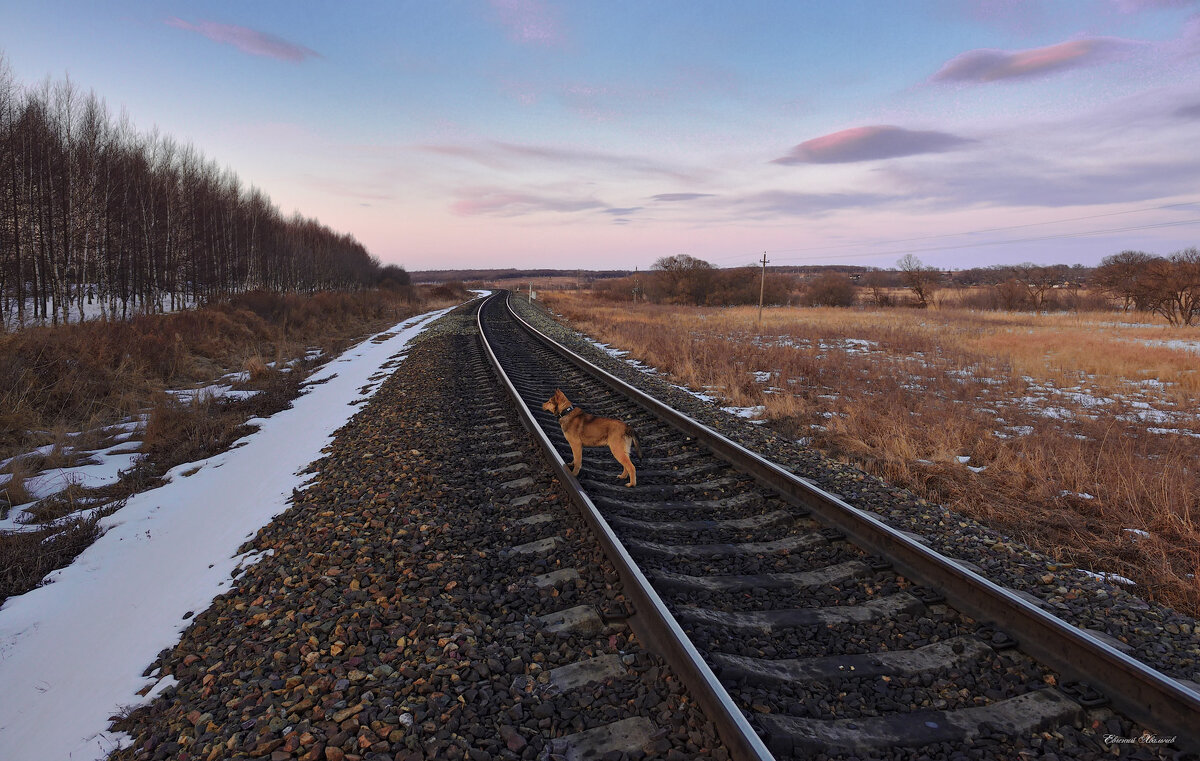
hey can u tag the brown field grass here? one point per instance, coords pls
(82, 376)
(1054, 412)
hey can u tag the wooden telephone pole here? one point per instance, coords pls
(762, 286)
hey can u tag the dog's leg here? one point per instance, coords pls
(622, 455)
(624, 470)
(577, 456)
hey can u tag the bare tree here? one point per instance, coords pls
(877, 282)
(1123, 276)
(922, 280)
(1174, 285)
(1038, 280)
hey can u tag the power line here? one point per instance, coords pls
(976, 232)
(1006, 242)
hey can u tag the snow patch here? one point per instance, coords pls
(1112, 577)
(751, 414)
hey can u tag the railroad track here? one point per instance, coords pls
(807, 627)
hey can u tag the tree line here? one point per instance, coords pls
(97, 216)
(1165, 285)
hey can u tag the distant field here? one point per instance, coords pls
(1077, 433)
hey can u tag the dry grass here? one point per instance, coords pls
(85, 375)
(1048, 405)
(256, 367)
(178, 432)
(13, 491)
(25, 558)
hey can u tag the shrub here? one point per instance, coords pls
(830, 289)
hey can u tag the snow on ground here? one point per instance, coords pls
(752, 414)
(72, 652)
(1192, 346)
(103, 468)
(1115, 578)
(98, 468)
(620, 354)
(91, 311)
(1178, 431)
(223, 388)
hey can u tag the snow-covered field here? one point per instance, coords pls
(72, 652)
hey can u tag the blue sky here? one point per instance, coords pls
(497, 133)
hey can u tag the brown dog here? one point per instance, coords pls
(584, 430)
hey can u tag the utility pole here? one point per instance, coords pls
(762, 286)
(531, 289)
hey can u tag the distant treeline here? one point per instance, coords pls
(1168, 286)
(446, 276)
(95, 213)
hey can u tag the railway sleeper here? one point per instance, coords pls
(956, 652)
(786, 544)
(834, 574)
(1019, 716)
(741, 499)
(664, 490)
(768, 621)
(730, 524)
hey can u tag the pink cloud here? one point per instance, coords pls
(1136, 6)
(529, 21)
(868, 144)
(248, 40)
(507, 203)
(989, 64)
(499, 155)
(671, 197)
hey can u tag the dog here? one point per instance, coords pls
(584, 430)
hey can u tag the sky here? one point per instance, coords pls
(529, 133)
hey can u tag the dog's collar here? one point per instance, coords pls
(566, 412)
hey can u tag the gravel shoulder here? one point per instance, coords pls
(1158, 636)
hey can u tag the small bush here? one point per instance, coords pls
(256, 367)
(830, 289)
(452, 291)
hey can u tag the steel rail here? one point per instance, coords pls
(651, 620)
(1146, 695)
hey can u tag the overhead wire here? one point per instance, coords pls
(1082, 234)
(894, 241)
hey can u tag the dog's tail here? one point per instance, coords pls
(631, 438)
